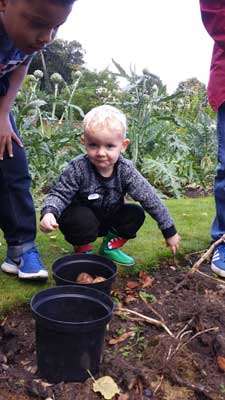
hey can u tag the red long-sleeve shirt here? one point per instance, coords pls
(213, 17)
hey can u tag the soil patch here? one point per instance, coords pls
(144, 360)
(194, 192)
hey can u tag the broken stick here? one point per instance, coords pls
(207, 254)
(121, 310)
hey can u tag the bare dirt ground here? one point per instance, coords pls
(144, 360)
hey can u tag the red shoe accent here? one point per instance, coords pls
(116, 243)
(82, 249)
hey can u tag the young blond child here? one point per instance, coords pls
(88, 201)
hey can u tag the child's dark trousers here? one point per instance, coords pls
(17, 214)
(81, 225)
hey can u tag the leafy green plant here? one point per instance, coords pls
(222, 388)
(147, 297)
(173, 140)
(173, 137)
(51, 140)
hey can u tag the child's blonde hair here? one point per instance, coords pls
(105, 116)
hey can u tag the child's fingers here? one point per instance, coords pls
(48, 223)
(45, 226)
(6, 142)
(52, 222)
(42, 228)
(2, 147)
(54, 226)
(16, 139)
(175, 248)
(51, 225)
(9, 147)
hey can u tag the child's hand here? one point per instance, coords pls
(48, 223)
(173, 243)
(7, 135)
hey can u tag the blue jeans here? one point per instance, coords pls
(17, 213)
(218, 226)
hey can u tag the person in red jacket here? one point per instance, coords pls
(213, 17)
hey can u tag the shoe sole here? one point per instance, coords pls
(117, 262)
(218, 271)
(9, 269)
(34, 276)
(124, 265)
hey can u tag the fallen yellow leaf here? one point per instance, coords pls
(106, 386)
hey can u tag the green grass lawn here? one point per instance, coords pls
(192, 217)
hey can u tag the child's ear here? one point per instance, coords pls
(83, 139)
(125, 144)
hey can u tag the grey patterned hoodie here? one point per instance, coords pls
(81, 183)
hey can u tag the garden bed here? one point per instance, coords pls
(144, 360)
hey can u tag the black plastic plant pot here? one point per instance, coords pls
(66, 269)
(70, 324)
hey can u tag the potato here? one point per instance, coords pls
(99, 279)
(84, 277)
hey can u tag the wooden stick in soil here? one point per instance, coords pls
(198, 263)
(154, 311)
(221, 281)
(121, 310)
(180, 345)
(216, 329)
(207, 254)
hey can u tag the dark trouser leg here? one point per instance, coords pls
(79, 225)
(127, 221)
(17, 214)
(218, 226)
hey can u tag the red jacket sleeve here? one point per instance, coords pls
(213, 17)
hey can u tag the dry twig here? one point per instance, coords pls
(221, 281)
(179, 346)
(198, 334)
(197, 264)
(154, 311)
(121, 310)
(207, 254)
(159, 384)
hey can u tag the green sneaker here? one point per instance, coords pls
(110, 249)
